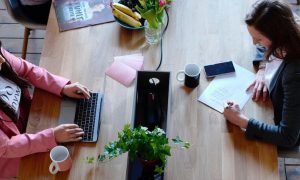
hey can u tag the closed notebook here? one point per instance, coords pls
(121, 72)
(124, 68)
(136, 62)
(129, 55)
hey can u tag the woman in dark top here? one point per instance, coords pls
(272, 25)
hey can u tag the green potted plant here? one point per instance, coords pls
(151, 147)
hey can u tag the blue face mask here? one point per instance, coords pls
(260, 52)
(261, 48)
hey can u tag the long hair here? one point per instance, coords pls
(8, 72)
(274, 19)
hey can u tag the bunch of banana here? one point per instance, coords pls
(126, 15)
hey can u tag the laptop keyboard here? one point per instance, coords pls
(88, 116)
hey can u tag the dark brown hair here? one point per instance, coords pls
(8, 72)
(274, 19)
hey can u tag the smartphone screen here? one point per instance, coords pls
(218, 69)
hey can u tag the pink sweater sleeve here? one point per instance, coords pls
(25, 144)
(37, 76)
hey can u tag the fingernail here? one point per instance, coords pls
(78, 92)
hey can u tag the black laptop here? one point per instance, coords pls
(85, 113)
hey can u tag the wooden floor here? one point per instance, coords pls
(11, 35)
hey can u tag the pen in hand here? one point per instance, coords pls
(228, 105)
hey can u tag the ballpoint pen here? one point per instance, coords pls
(227, 105)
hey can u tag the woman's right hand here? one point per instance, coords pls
(232, 113)
(259, 86)
(68, 133)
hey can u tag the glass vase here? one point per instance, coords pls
(152, 35)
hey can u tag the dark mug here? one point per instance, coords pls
(191, 75)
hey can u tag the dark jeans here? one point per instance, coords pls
(38, 13)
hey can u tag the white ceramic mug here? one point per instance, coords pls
(61, 160)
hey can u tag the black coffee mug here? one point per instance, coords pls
(191, 75)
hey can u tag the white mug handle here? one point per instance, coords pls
(177, 76)
(55, 166)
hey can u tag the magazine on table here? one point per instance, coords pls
(72, 14)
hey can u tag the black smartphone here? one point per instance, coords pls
(218, 69)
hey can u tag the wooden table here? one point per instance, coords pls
(200, 31)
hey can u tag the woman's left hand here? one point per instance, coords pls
(232, 113)
(76, 90)
(259, 86)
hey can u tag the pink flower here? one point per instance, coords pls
(162, 3)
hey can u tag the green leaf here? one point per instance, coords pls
(89, 160)
(143, 3)
(186, 145)
(159, 169)
(101, 157)
(177, 140)
(167, 6)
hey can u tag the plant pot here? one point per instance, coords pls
(148, 172)
(158, 108)
(150, 163)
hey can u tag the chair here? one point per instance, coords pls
(289, 153)
(14, 9)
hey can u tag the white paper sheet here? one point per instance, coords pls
(228, 87)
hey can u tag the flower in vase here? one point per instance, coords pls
(162, 3)
(153, 11)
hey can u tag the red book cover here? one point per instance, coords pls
(72, 14)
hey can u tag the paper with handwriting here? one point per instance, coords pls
(228, 87)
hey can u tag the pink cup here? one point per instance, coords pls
(61, 160)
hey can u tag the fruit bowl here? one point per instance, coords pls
(126, 16)
(126, 26)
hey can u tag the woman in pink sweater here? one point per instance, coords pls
(16, 75)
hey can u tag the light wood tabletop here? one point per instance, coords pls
(201, 32)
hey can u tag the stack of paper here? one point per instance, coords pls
(228, 87)
(124, 68)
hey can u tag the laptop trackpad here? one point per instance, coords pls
(67, 111)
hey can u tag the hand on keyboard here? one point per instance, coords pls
(68, 133)
(76, 90)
